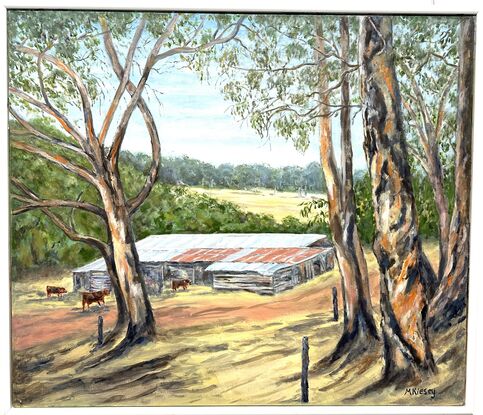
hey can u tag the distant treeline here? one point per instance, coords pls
(36, 242)
(173, 208)
(192, 172)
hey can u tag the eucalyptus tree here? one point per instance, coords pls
(283, 78)
(405, 274)
(426, 59)
(58, 65)
(450, 300)
(437, 100)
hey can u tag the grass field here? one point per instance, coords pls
(278, 204)
(212, 348)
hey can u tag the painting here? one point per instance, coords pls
(227, 208)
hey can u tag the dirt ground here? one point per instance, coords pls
(212, 348)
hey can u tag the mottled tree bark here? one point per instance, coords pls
(429, 131)
(137, 316)
(450, 301)
(397, 246)
(360, 332)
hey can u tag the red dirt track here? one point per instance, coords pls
(45, 326)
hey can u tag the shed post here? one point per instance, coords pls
(335, 303)
(100, 330)
(304, 381)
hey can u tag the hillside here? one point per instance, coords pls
(212, 348)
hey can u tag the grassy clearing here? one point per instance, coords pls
(217, 348)
(266, 201)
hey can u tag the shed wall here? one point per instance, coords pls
(254, 283)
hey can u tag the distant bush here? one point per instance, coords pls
(37, 243)
(423, 194)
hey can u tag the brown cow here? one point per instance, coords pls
(55, 290)
(175, 284)
(94, 297)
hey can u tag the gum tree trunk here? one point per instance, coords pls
(405, 273)
(449, 303)
(135, 315)
(435, 176)
(122, 315)
(360, 333)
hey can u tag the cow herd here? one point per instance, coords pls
(90, 297)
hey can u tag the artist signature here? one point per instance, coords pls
(420, 392)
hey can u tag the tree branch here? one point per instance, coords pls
(63, 121)
(134, 203)
(85, 99)
(422, 134)
(135, 96)
(442, 104)
(197, 30)
(414, 152)
(53, 203)
(68, 231)
(215, 41)
(58, 160)
(30, 130)
(428, 125)
(281, 69)
(123, 82)
(443, 58)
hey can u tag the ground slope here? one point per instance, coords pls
(212, 348)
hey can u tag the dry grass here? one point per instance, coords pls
(266, 201)
(220, 349)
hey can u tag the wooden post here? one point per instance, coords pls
(100, 331)
(305, 370)
(335, 303)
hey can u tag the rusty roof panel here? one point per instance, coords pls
(280, 255)
(204, 255)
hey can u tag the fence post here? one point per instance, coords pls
(305, 370)
(335, 303)
(100, 331)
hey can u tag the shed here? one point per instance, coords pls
(270, 271)
(91, 277)
(164, 257)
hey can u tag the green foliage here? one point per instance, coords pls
(424, 198)
(364, 207)
(272, 77)
(36, 242)
(316, 210)
(75, 38)
(427, 47)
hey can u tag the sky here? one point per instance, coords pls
(194, 120)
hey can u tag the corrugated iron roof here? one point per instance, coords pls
(259, 268)
(215, 247)
(97, 265)
(204, 255)
(229, 240)
(242, 252)
(280, 255)
(157, 255)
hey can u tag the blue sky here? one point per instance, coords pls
(195, 120)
